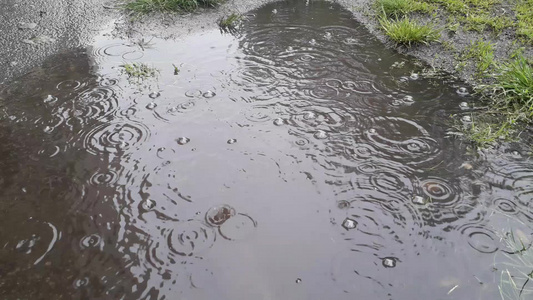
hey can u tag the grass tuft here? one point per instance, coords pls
(398, 8)
(147, 6)
(524, 15)
(230, 23)
(482, 53)
(139, 71)
(408, 32)
(514, 85)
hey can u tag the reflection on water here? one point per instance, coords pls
(298, 160)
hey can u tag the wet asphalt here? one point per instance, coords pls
(31, 31)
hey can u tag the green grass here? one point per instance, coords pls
(408, 32)
(398, 8)
(139, 70)
(479, 22)
(147, 6)
(230, 23)
(482, 53)
(524, 15)
(516, 281)
(514, 86)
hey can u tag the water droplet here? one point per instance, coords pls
(419, 200)
(154, 95)
(298, 280)
(349, 224)
(516, 153)
(151, 105)
(148, 204)
(290, 49)
(328, 35)
(467, 119)
(209, 94)
(320, 134)
(217, 215)
(389, 262)
(408, 99)
(274, 11)
(414, 76)
(48, 129)
(312, 42)
(232, 141)
(183, 140)
(308, 115)
(343, 204)
(462, 91)
(279, 121)
(463, 105)
(372, 131)
(50, 99)
(90, 241)
(79, 283)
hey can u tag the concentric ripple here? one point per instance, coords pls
(115, 137)
(190, 238)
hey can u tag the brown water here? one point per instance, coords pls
(299, 159)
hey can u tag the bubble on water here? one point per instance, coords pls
(154, 95)
(256, 116)
(396, 103)
(467, 119)
(312, 42)
(148, 204)
(309, 115)
(209, 94)
(82, 282)
(290, 49)
(320, 134)
(481, 238)
(516, 154)
(349, 224)
(462, 91)
(408, 99)
(194, 93)
(418, 200)
(372, 131)
(274, 11)
(279, 121)
(232, 141)
(48, 129)
(298, 280)
(328, 35)
(217, 215)
(389, 262)
(90, 241)
(238, 227)
(151, 105)
(463, 105)
(404, 79)
(50, 99)
(413, 76)
(190, 238)
(183, 140)
(343, 204)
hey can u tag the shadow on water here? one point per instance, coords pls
(298, 160)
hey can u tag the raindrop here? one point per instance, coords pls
(327, 36)
(148, 204)
(183, 140)
(467, 119)
(312, 42)
(232, 141)
(151, 105)
(414, 76)
(298, 280)
(90, 241)
(419, 200)
(154, 95)
(372, 131)
(79, 283)
(343, 204)
(50, 99)
(462, 91)
(515, 153)
(48, 129)
(349, 224)
(279, 121)
(463, 105)
(217, 215)
(320, 134)
(209, 94)
(408, 99)
(237, 227)
(274, 11)
(389, 262)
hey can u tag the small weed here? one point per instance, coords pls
(139, 71)
(230, 23)
(514, 86)
(147, 6)
(176, 69)
(482, 53)
(408, 32)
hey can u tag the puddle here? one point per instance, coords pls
(299, 159)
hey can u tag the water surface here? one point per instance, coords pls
(296, 159)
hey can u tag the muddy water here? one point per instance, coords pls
(297, 159)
